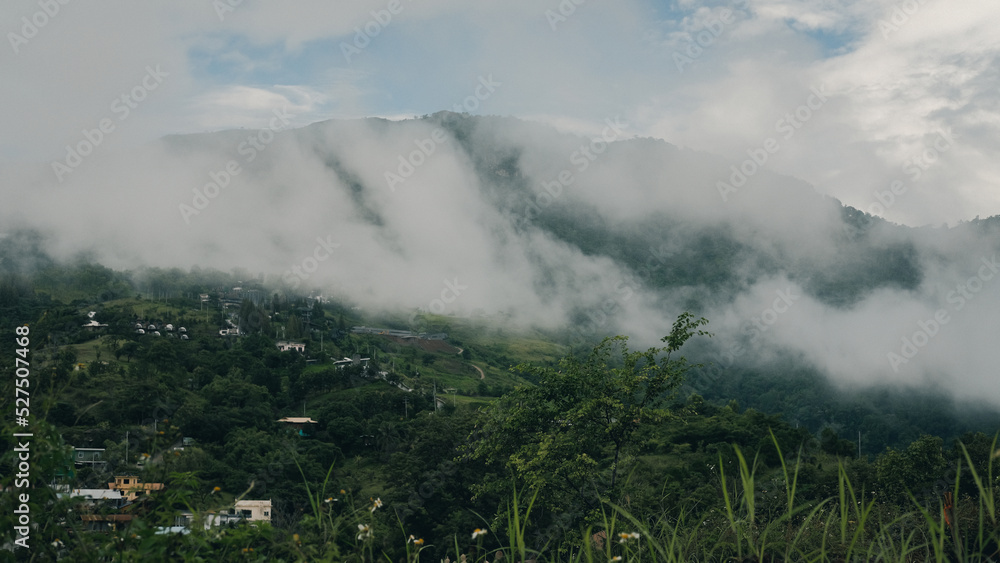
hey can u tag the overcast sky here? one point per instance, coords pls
(901, 91)
(891, 107)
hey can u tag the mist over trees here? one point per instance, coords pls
(571, 437)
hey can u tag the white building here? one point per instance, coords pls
(244, 510)
(254, 510)
(287, 346)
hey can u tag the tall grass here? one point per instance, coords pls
(850, 525)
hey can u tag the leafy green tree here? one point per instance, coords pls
(568, 436)
(161, 354)
(832, 444)
(294, 327)
(129, 349)
(14, 288)
(387, 437)
(253, 319)
(911, 470)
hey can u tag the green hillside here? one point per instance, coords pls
(411, 421)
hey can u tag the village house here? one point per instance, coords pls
(298, 423)
(94, 497)
(287, 345)
(100, 509)
(357, 360)
(89, 456)
(132, 487)
(254, 510)
(243, 511)
(93, 326)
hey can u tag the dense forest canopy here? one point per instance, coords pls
(449, 435)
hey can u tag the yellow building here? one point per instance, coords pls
(132, 488)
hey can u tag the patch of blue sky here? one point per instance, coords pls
(832, 43)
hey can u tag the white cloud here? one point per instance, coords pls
(894, 84)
